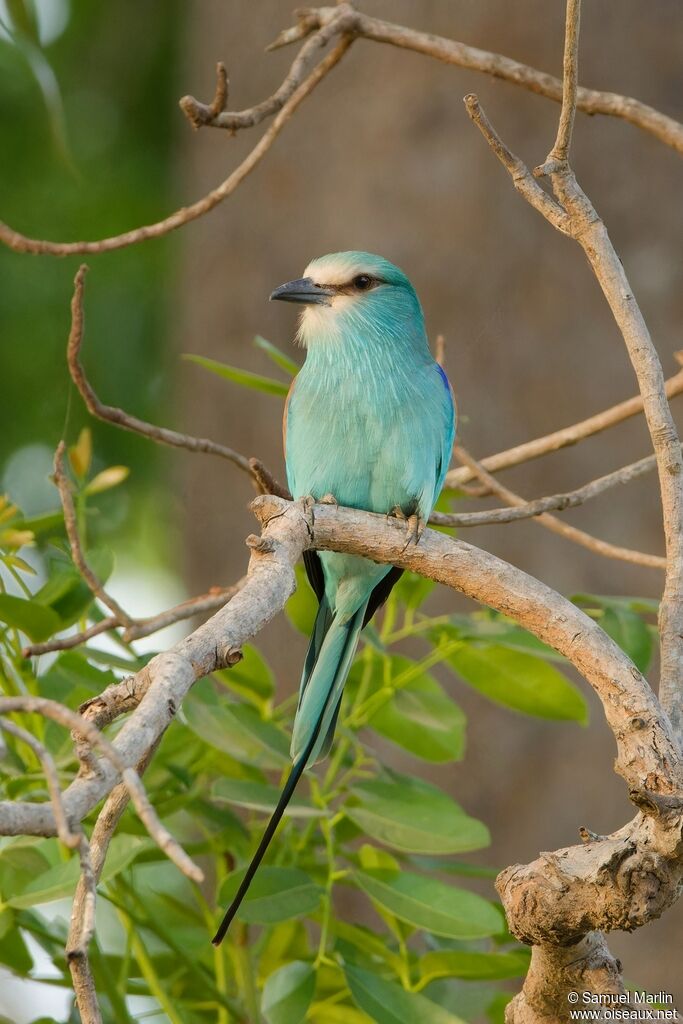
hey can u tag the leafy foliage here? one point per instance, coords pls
(364, 910)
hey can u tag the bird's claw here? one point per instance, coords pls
(414, 525)
(414, 529)
(328, 499)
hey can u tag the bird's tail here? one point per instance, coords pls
(328, 661)
(295, 773)
(330, 653)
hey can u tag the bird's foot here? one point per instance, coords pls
(414, 528)
(307, 503)
(414, 525)
(328, 499)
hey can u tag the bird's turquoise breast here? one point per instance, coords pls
(370, 438)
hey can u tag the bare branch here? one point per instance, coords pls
(522, 178)
(77, 944)
(21, 243)
(639, 879)
(560, 151)
(587, 540)
(529, 509)
(112, 414)
(216, 116)
(451, 51)
(567, 435)
(139, 628)
(586, 227)
(75, 541)
(67, 643)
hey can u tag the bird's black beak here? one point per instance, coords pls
(305, 290)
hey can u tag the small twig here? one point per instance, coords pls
(586, 540)
(522, 178)
(138, 628)
(77, 555)
(64, 831)
(66, 643)
(112, 414)
(567, 435)
(215, 115)
(76, 723)
(560, 151)
(554, 502)
(86, 912)
(220, 99)
(265, 482)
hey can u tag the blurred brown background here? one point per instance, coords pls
(382, 157)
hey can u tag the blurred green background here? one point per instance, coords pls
(89, 126)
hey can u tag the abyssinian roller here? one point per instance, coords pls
(369, 423)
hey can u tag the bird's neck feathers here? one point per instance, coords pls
(383, 327)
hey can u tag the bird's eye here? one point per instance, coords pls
(362, 282)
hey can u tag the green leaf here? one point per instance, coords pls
(472, 966)
(387, 1003)
(251, 677)
(244, 378)
(621, 619)
(629, 632)
(236, 729)
(302, 607)
(414, 817)
(32, 618)
(277, 355)
(60, 881)
(13, 951)
(65, 590)
(258, 796)
(519, 681)
(276, 894)
(431, 905)
(420, 717)
(287, 993)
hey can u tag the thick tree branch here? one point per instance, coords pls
(646, 753)
(575, 892)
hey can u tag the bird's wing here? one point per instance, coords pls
(286, 413)
(450, 417)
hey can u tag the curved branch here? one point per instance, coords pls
(161, 435)
(21, 243)
(647, 757)
(451, 51)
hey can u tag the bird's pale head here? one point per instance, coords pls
(347, 293)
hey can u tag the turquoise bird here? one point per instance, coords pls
(369, 423)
